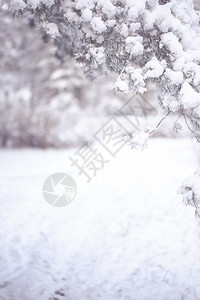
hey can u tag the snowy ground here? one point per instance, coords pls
(126, 235)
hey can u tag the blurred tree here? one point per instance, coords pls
(41, 99)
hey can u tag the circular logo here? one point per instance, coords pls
(59, 189)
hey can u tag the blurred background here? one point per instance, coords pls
(43, 102)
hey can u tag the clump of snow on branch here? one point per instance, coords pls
(139, 140)
(190, 190)
(51, 29)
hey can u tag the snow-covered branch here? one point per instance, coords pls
(143, 41)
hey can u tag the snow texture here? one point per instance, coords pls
(127, 235)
